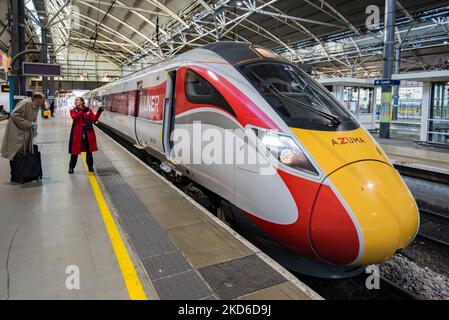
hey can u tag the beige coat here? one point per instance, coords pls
(19, 131)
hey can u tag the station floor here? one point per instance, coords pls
(405, 150)
(123, 233)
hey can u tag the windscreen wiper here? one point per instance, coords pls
(336, 121)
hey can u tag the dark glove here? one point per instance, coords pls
(85, 109)
(100, 110)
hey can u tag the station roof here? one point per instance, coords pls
(330, 35)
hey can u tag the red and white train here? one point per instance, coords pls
(334, 204)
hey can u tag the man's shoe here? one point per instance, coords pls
(71, 171)
(91, 169)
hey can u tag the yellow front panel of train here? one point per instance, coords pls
(332, 150)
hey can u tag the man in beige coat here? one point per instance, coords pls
(22, 127)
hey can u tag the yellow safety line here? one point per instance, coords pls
(132, 282)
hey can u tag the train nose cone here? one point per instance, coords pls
(363, 214)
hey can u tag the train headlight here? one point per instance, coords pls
(285, 150)
(288, 157)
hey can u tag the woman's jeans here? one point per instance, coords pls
(89, 157)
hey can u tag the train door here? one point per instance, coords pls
(169, 113)
(139, 102)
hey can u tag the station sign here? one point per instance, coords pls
(387, 82)
(41, 69)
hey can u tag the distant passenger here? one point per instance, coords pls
(82, 135)
(3, 113)
(52, 108)
(22, 126)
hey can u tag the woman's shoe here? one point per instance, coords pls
(71, 171)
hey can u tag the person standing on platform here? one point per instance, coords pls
(52, 108)
(22, 127)
(82, 135)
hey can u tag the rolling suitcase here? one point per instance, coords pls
(27, 167)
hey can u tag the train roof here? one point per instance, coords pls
(232, 52)
(239, 52)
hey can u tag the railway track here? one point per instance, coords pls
(394, 291)
(434, 227)
(355, 289)
(423, 174)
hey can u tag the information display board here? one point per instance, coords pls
(41, 69)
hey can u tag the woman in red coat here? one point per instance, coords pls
(82, 135)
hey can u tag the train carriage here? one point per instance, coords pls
(332, 203)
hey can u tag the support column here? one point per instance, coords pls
(51, 81)
(18, 45)
(385, 112)
(44, 48)
(96, 67)
(425, 111)
(339, 92)
(396, 88)
(374, 107)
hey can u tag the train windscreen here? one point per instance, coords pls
(297, 98)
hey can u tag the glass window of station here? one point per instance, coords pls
(358, 99)
(439, 113)
(409, 103)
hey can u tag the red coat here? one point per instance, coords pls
(75, 144)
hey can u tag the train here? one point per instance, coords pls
(322, 197)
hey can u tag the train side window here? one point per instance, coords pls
(123, 109)
(115, 103)
(200, 91)
(132, 103)
(109, 102)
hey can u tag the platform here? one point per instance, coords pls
(130, 233)
(406, 151)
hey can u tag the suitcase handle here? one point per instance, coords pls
(30, 144)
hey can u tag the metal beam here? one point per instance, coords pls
(57, 13)
(110, 31)
(326, 4)
(288, 17)
(180, 31)
(145, 19)
(405, 11)
(124, 6)
(125, 24)
(163, 7)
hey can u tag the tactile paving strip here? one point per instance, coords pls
(239, 277)
(172, 275)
